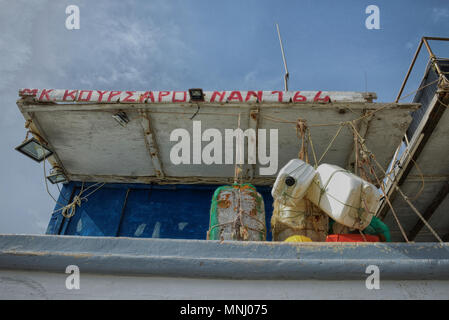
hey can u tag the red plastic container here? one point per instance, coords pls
(351, 238)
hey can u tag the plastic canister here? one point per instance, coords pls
(292, 182)
(345, 197)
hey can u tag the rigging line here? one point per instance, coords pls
(363, 235)
(419, 215)
(86, 196)
(393, 181)
(445, 105)
(44, 168)
(356, 155)
(45, 174)
(407, 200)
(309, 136)
(65, 207)
(93, 185)
(388, 175)
(60, 193)
(237, 168)
(331, 143)
(301, 128)
(287, 75)
(66, 212)
(77, 200)
(202, 113)
(362, 143)
(387, 199)
(416, 196)
(391, 104)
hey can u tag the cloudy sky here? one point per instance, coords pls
(176, 45)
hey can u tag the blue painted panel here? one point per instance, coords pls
(168, 211)
(56, 218)
(99, 216)
(176, 214)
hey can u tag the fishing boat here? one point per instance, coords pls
(139, 169)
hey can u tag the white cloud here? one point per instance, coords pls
(112, 50)
(440, 14)
(134, 52)
(15, 44)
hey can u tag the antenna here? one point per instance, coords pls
(366, 82)
(286, 76)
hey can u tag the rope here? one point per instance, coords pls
(416, 196)
(410, 204)
(313, 149)
(45, 170)
(331, 143)
(387, 199)
(445, 105)
(366, 158)
(301, 128)
(237, 167)
(371, 156)
(69, 210)
(419, 215)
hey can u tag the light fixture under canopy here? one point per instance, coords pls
(34, 149)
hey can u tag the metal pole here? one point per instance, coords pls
(286, 76)
(432, 56)
(409, 71)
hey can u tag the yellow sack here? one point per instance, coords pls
(298, 239)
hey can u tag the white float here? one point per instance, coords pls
(345, 197)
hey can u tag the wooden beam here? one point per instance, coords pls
(253, 123)
(435, 203)
(362, 128)
(150, 142)
(262, 181)
(46, 107)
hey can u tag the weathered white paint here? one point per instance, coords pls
(151, 144)
(91, 146)
(182, 225)
(140, 229)
(44, 285)
(156, 230)
(33, 267)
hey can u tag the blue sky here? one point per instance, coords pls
(175, 45)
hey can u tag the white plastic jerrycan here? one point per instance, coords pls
(345, 197)
(292, 182)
